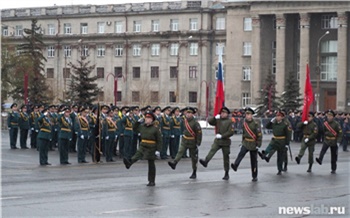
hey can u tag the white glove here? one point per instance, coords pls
(32, 128)
(45, 113)
(218, 136)
(127, 114)
(287, 147)
(82, 136)
(172, 136)
(107, 137)
(273, 119)
(9, 128)
(305, 122)
(157, 153)
(139, 134)
(36, 130)
(217, 116)
(306, 140)
(257, 148)
(338, 144)
(141, 120)
(116, 136)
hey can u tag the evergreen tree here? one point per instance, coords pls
(70, 95)
(84, 86)
(291, 98)
(268, 99)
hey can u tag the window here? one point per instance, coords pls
(155, 49)
(247, 48)
(154, 72)
(273, 62)
(67, 28)
(83, 28)
(330, 46)
(155, 25)
(247, 24)
(19, 30)
(136, 72)
(119, 27)
(5, 30)
(246, 99)
(100, 72)
(51, 51)
(329, 60)
(119, 50)
(246, 73)
(172, 97)
(66, 73)
(137, 26)
(218, 45)
(119, 96)
(329, 21)
(174, 24)
(192, 97)
(193, 24)
(49, 73)
(193, 72)
(118, 72)
(135, 96)
(101, 96)
(136, 50)
(101, 51)
(51, 29)
(173, 72)
(193, 48)
(101, 27)
(85, 51)
(154, 97)
(67, 50)
(220, 23)
(174, 49)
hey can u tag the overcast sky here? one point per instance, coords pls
(44, 3)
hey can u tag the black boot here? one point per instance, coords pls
(127, 163)
(151, 184)
(203, 162)
(279, 173)
(172, 164)
(194, 175)
(226, 176)
(297, 159)
(309, 170)
(318, 161)
(267, 159)
(262, 155)
(234, 167)
(285, 167)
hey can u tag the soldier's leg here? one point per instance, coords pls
(151, 171)
(285, 158)
(254, 163)
(46, 150)
(135, 140)
(181, 151)
(112, 149)
(127, 146)
(138, 155)
(212, 152)
(323, 151)
(226, 155)
(280, 156)
(176, 144)
(311, 149)
(334, 157)
(302, 149)
(25, 138)
(15, 135)
(163, 152)
(194, 157)
(80, 150)
(33, 135)
(21, 138)
(241, 155)
(41, 152)
(121, 146)
(171, 148)
(345, 143)
(61, 150)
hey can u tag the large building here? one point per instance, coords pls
(166, 53)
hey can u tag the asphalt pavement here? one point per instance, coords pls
(110, 190)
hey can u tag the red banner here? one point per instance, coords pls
(308, 95)
(220, 95)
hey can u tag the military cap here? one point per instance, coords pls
(166, 108)
(124, 108)
(23, 106)
(149, 114)
(225, 109)
(330, 112)
(83, 108)
(195, 110)
(105, 107)
(135, 107)
(41, 105)
(175, 109)
(143, 109)
(248, 110)
(13, 105)
(156, 108)
(115, 108)
(75, 106)
(44, 110)
(62, 106)
(35, 106)
(280, 113)
(66, 109)
(311, 113)
(190, 110)
(148, 107)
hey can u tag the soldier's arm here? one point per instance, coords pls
(136, 127)
(212, 121)
(9, 117)
(258, 134)
(198, 131)
(229, 131)
(340, 133)
(269, 125)
(288, 133)
(159, 139)
(313, 131)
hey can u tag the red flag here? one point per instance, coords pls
(220, 95)
(308, 95)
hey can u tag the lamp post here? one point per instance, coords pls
(207, 86)
(318, 72)
(115, 86)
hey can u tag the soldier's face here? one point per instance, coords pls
(24, 109)
(279, 118)
(310, 118)
(177, 113)
(66, 113)
(14, 108)
(223, 114)
(189, 115)
(249, 116)
(330, 117)
(148, 120)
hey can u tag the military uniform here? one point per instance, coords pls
(82, 128)
(175, 135)
(73, 116)
(24, 126)
(44, 139)
(53, 118)
(109, 130)
(12, 124)
(166, 125)
(34, 131)
(151, 141)
(64, 137)
(127, 123)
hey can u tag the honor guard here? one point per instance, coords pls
(224, 130)
(94, 141)
(73, 116)
(44, 137)
(109, 132)
(157, 112)
(127, 123)
(24, 126)
(176, 132)
(82, 129)
(136, 136)
(34, 115)
(151, 141)
(116, 119)
(65, 134)
(166, 125)
(53, 118)
(191, 139)
(12, 124)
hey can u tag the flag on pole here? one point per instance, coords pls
(220, 95)
(308, 95)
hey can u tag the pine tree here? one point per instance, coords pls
(291, 98)
(69, 95)
(86, 88)
(268, 99)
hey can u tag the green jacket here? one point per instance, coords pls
(127, 122)
(13, 119)
(65, 127)
(188, 139)
(224, 127)
(281, 132)
(166, 125)
(309, 130)
(24, 121)
(177, 126)
(251, 141)
(33, 118)
(109, 128)
(151, 136)
(81, 126)
(329, 137)
(45, 128)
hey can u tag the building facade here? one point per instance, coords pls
(165, 53)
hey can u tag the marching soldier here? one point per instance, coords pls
(176, 132)
(24, 126)
(332, 138)
(12, 124)
(128, 122)
(34, 115)
(151, 141)
(166, 125)
(121, 129)
(224, 130)
(309, 130)
(73, 117)
(135, 137)
(65, 134)
(82, 128)
(109, 130)
(251, 142)
(44, 137)
(192, 139)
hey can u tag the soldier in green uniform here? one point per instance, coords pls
(192, 139)
(135, 137)
(251, 141)
(224, 130)
(12, 124)
(53, 117)
(73, 116)
(127, 121)
(166, 125)
(44, 137)
(280, 140)
(151, 141)
(176, 132)
(310, 131)
(82, 128)
(157, 112)
(121, 128)
(109, 130)
(116, 119)
(34, 115)
(332, 137)
(24, 126)
(65, 134)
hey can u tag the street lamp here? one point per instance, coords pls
(207, 85)
(115, 86)
(318, 72)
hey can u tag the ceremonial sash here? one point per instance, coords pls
(110, 120)
(189, 129)
(330, 129)
(250, 132)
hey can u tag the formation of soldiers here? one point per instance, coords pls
(145, 133)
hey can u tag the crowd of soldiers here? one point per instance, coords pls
(146, 133)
